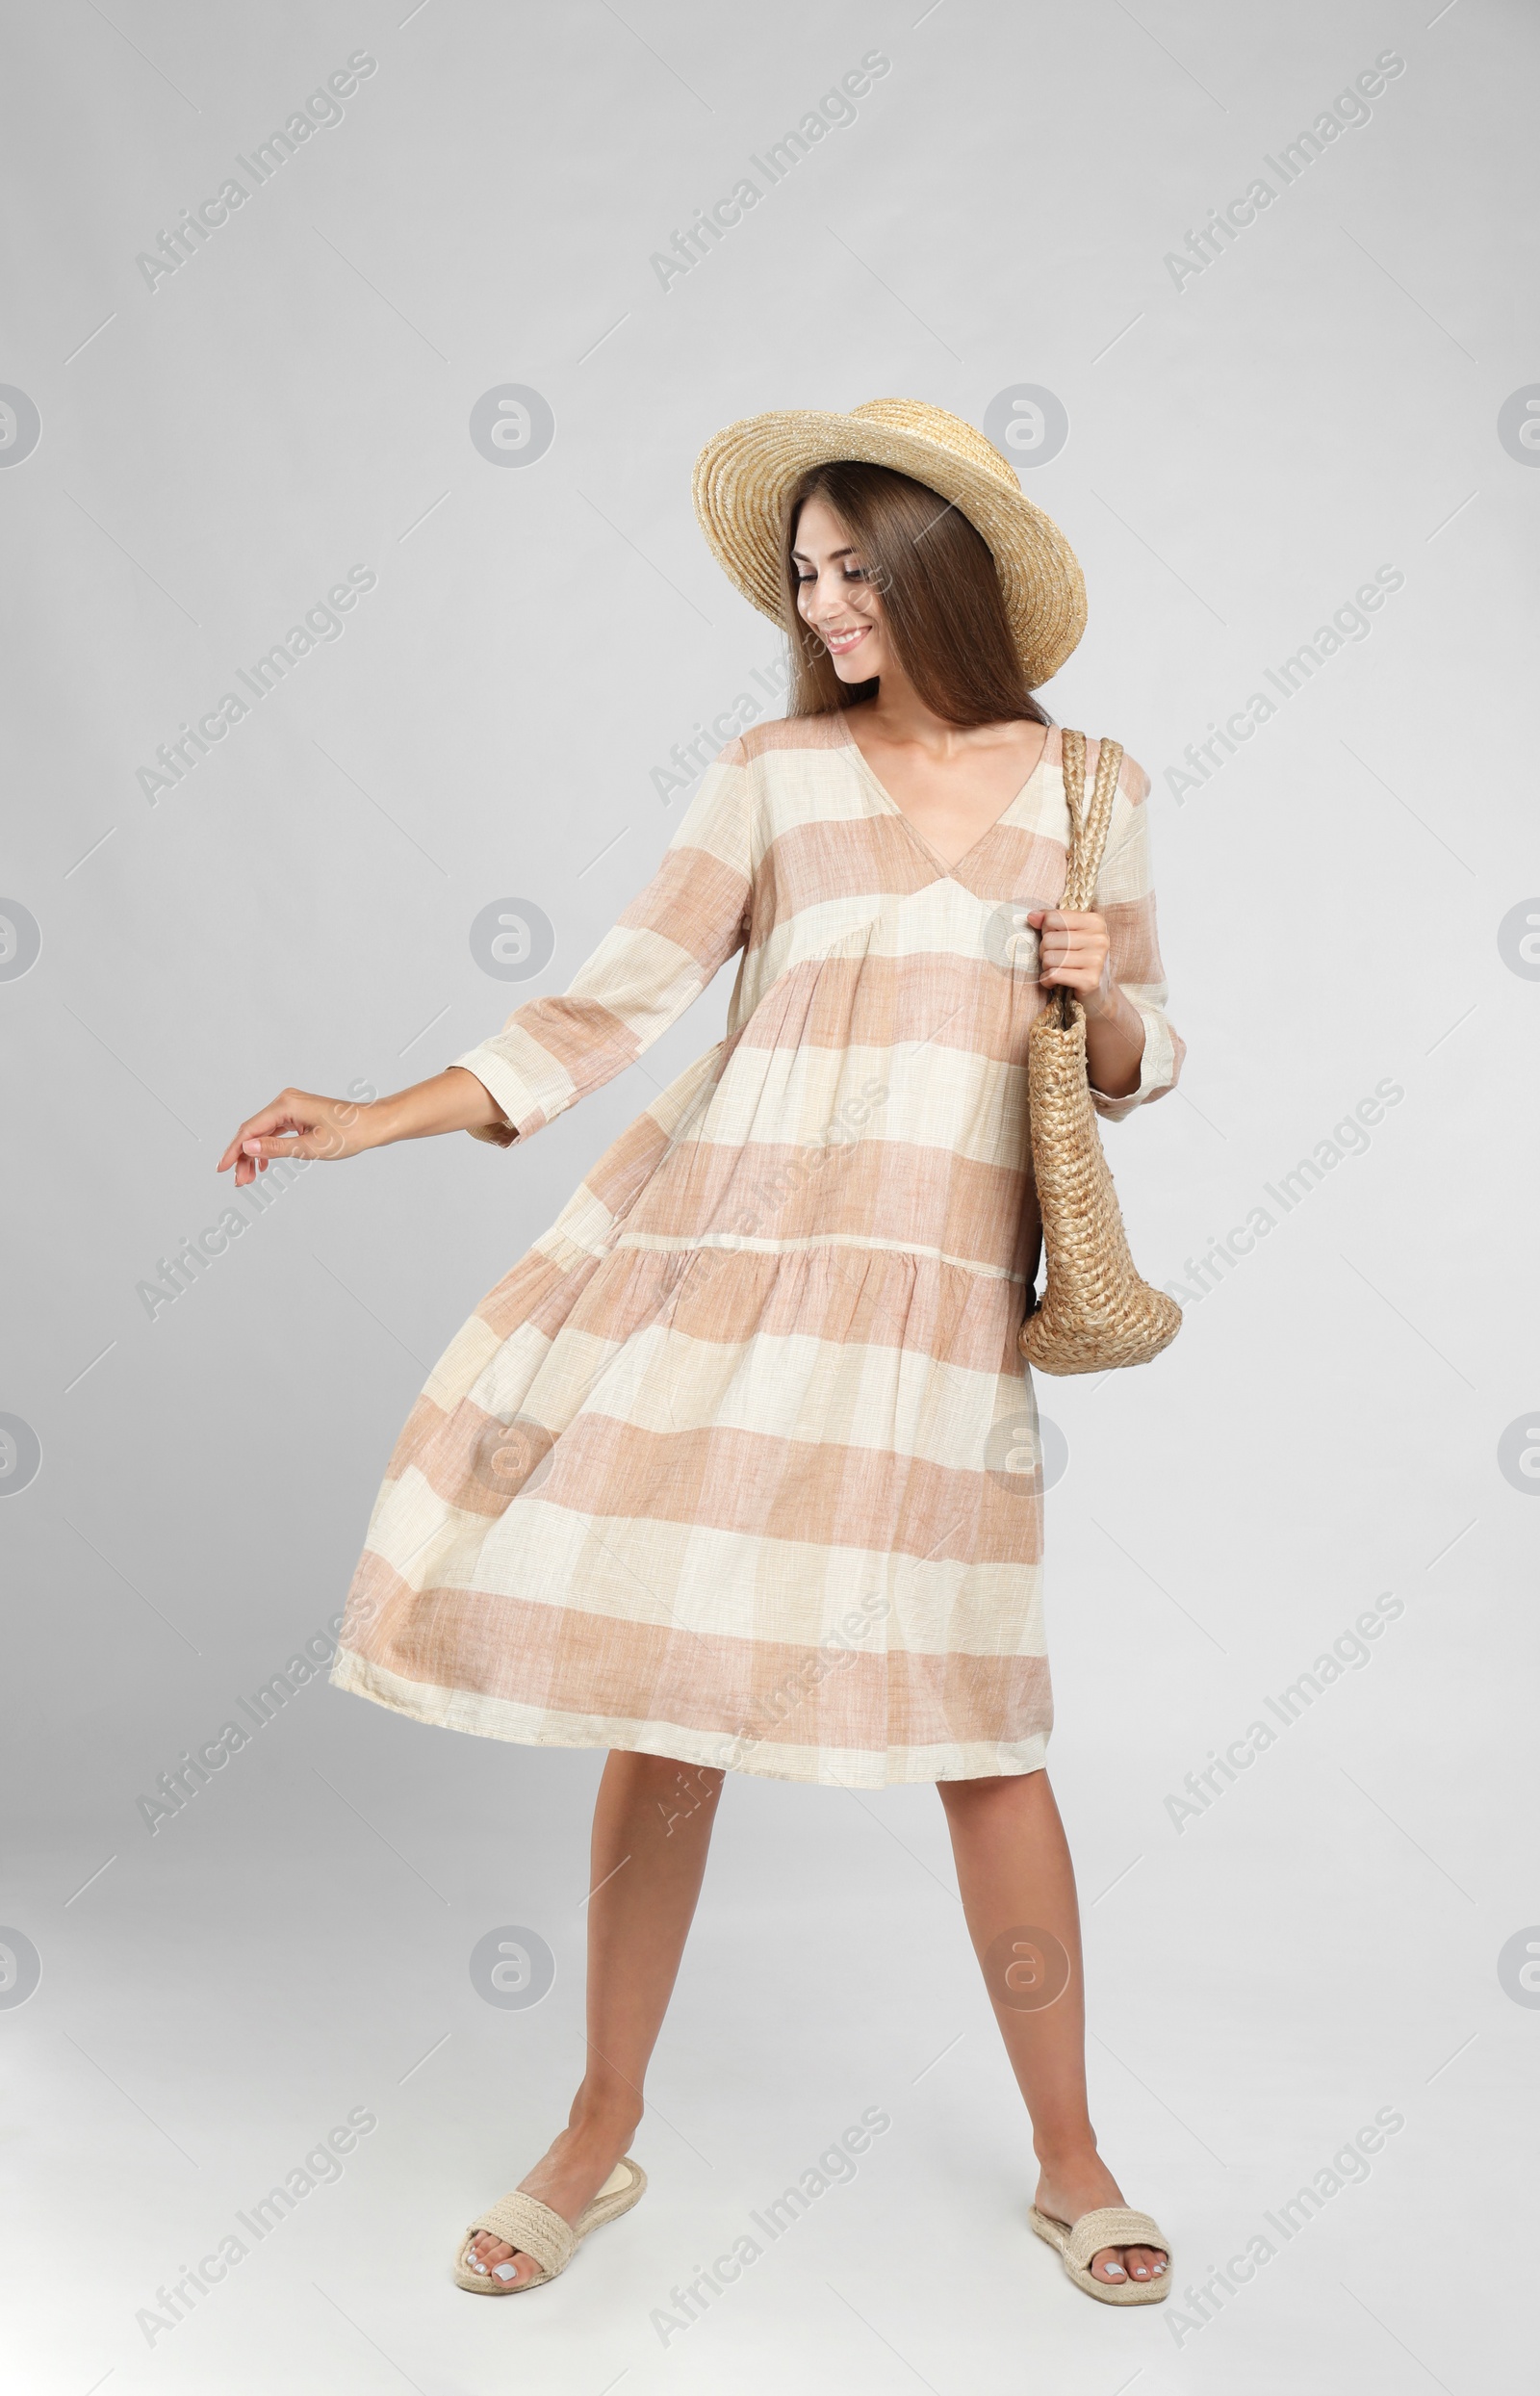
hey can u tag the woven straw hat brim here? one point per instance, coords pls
(744, 471)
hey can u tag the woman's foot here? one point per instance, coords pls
(567, 2177)
(1081, 2183)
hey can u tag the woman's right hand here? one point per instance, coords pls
(300, 1123)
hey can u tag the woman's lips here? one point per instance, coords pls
(839, 644)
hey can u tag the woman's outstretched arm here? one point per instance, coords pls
(301, 1122)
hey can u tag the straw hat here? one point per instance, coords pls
(744, 471)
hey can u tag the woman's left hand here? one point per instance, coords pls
(1076, 954)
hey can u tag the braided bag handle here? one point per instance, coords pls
(1088, 825)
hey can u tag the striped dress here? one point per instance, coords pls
(738, 1465)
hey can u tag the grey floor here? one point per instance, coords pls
(294, 1947)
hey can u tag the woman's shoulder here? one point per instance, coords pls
(784, 736)
(1132, 782)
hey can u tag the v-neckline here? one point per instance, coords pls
(864, 766)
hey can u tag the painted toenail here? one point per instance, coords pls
(504, 2271)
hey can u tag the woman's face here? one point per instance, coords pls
(836, 594)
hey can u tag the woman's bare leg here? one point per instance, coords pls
(651, 1831)
(1015, 1876)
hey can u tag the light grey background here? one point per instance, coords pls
(1245, 452)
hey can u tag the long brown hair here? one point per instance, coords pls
(941, 604)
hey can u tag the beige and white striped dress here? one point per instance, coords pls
(729, 1467)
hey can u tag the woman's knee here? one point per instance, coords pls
(995, 1789)
(666, 1774)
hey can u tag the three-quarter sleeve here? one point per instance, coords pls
(1125, 898)
(665, 949)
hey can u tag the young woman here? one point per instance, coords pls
(726, 1474)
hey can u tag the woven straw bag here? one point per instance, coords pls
(1094, 1312)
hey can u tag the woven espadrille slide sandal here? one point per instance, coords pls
(1109, 2225)
(522, 2221)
